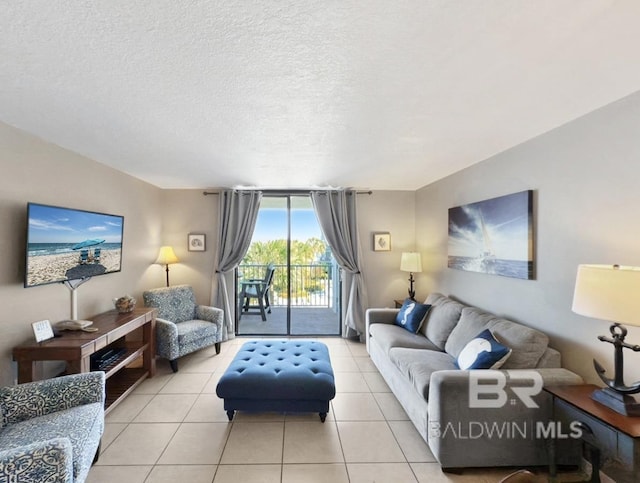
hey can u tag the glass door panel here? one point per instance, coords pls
(303, 297)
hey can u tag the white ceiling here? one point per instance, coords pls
(373, 94)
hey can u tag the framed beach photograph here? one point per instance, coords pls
(494, 236)
(382, 242)
(197, 242)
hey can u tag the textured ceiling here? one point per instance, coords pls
(288, 94)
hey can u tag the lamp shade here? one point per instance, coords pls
(410, 262)
(166, 256)
(608, 292)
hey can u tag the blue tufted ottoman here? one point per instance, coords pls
(278, 375)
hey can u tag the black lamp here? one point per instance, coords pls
(410, 262)
(612, 292)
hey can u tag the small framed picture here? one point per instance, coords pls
(42, 330)
(197, 242)
(381, 242)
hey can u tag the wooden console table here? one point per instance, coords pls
(614, 436)
(77, 347)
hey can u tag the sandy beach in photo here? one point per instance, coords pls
(45, 268)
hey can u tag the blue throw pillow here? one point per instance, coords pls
(412, 315)
(483, 352)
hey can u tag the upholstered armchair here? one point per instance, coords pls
(182, 325)
(50, 430)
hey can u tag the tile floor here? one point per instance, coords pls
(174, 428)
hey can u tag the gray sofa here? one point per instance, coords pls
(469, 418)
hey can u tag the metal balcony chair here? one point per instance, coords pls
(257, 289)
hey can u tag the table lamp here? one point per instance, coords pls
(612, 292)
(166, 257)
(410, 262)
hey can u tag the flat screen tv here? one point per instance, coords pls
(66, 244)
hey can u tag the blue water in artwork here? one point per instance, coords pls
(37, 249)
(507, 268)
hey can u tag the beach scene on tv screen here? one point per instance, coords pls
(65, 244)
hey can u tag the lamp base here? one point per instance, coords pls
(621, 403)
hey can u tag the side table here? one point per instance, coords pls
(613, 438)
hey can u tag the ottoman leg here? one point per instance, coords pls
(230, 415)
(323, 416)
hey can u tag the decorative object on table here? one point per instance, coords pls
(166, 257)
(610, 292)
(484, 351)
(382, 242)
(124, 304)
(494, 236)
(411, 315)
(42, 330)
(411, 262)
(197, 242)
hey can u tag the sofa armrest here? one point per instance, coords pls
(26, 401)
(381, 316)
(49, 460)
(475, 394)
(378, 316)
(211, 314)
(167, 339)
(490, 402)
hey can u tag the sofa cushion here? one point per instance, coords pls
(417, 365)
(388, 336)
(472, 322)
(441, 319)
(527, 344)
(483, 352)
(412, 315)
(82, 425)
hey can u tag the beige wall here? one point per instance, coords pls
(33, 170)
(585, 176)
(393, 212)
(189, 211)
(184, 212)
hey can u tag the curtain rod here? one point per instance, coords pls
(288, 192)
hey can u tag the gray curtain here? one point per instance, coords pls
(336, 212)
(238, 214)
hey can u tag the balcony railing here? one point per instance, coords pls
(312, 285)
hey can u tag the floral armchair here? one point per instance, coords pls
(50, 430)
(182, 325)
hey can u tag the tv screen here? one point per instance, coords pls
(67, 244)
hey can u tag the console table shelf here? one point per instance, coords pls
(77, 347)
(121, 384)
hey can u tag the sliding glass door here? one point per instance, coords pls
(288, 283)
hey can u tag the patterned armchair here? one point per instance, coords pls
(182, 325)
(50, 430)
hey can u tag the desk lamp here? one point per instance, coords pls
(410, 262)
(612, 292)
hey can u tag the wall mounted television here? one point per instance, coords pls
(66, 244)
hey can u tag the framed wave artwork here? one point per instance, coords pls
(494, 236)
